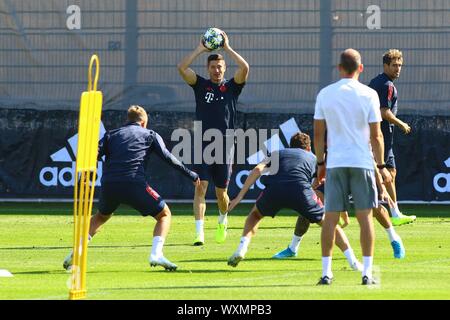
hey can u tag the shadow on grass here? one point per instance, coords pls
(143, 270)
(43, 272)
(204, 287)
(292, 227)
(91, 247)
(252, 259)
(199, 271)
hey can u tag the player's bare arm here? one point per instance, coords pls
(385, 176)
(319, 147)
(387, 115)
(189, 75)
(251, 179)
(241, 74)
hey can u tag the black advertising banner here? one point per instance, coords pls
(38, 152)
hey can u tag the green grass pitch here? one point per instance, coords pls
(35, 238)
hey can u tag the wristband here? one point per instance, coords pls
(321, 163)
(381, 166)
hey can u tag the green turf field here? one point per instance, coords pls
(35, 238)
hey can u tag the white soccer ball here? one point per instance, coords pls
(213, 39)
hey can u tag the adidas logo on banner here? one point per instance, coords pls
(288, 128)
(54, 176)
(442, 177)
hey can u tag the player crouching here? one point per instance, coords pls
(290, 187)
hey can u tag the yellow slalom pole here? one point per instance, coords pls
(85, 176)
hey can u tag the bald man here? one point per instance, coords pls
(350, 111)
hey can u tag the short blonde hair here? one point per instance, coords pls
(136, 114)
(392, 54)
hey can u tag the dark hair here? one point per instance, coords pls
(349, 62)
(215, 57)
(300, 140)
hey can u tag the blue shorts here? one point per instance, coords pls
(219, 173)
(293, 196)
(138, 195)
(389, 158)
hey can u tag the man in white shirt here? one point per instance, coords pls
(350, 112)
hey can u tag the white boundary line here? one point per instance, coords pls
(67, 200)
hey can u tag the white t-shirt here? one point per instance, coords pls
(348, 106)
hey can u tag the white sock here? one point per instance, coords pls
(157, 246)
(295, 243)
(223, 218)
(393, 236)
(395, 212)
(326, 267)
(199, 226)
(243, 246)
(81, 242)
(367, 269)
(350, 255)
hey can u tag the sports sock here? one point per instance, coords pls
(199, 226)
(350, 255)
(367, 269)
(157, 246)
(326, 267)
(89, 240)
(223, 218)
(393, 236)
(295, 243)
(395, 212)
(243, 246)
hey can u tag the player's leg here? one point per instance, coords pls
(367, 240)
(398, 218)
(250, 228)
(160, 231)
(390, 187)
(162, 226)
(199, 212)
(301, 227)
(341, 239)
(148, 202)
(222, 202)
(267, 204)
(382, 216)
(308, 204)
(343, 243)
(327, 239)
(365, 197)
(97, 221)
(336, 200)
(109, 202)
(220, 174)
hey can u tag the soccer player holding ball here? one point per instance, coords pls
(216, 99)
